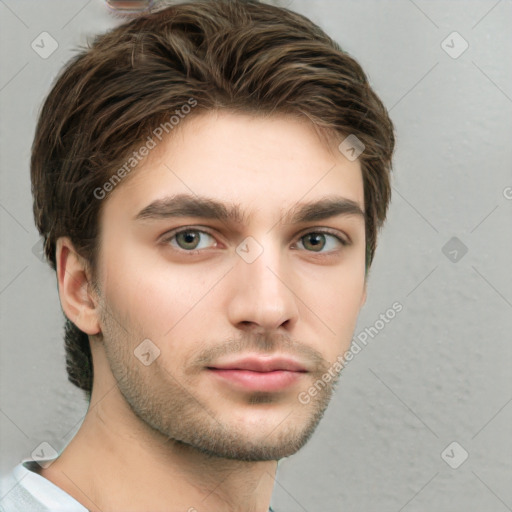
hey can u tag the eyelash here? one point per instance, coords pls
(172, 234)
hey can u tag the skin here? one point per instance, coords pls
(171, 436)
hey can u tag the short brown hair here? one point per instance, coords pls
(244, 56)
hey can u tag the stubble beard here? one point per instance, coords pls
(170, 407)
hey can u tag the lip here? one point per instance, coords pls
(268, 374)
(261, 364)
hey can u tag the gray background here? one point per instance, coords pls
(440, 371)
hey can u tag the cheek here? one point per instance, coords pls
(160, 300)
(335, 306)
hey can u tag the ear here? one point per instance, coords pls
(76, 292)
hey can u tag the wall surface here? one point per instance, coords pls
(428, 388)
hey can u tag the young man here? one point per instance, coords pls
(209, 181)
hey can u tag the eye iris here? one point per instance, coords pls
(318, 240)
(188, 237)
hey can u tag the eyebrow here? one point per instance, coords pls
(185, 205)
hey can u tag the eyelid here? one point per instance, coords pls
(168, 235)
(341, 236)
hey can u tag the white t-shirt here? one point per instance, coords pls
(26, 491)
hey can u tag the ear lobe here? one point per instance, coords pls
(75, 290)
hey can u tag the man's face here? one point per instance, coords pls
(247, 312)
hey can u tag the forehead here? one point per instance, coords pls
(259, 162)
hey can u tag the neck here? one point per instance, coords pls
(117, 462)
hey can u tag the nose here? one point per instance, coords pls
(262, 295)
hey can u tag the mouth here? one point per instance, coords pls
(266, 374)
